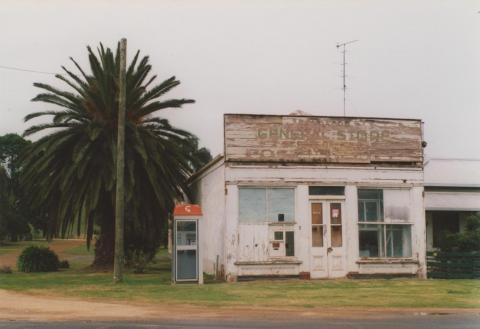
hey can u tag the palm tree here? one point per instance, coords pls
(70, 171)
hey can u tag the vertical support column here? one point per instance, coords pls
(231, 232)
(303, 242)
(419, 234)
(350, 223)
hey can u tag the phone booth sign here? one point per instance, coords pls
(187, 265)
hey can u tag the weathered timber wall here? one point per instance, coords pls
(249, 242)
(209, 193)
(310, 139)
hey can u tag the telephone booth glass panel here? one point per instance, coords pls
(186, 250)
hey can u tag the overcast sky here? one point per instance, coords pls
(414, 59)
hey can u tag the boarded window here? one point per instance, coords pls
(252, 204)
(280, 204)
(257, 205)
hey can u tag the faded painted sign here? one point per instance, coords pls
(272, 138)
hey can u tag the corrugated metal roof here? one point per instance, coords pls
(452, 172)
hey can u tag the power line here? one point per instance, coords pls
(24, 70)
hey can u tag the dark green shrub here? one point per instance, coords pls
(466, 241)
(37, 259)
(64, 264)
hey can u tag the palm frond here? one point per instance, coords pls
(71, 170)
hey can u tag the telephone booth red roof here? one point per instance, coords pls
(187, 210)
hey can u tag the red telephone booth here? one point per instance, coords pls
(187, 265)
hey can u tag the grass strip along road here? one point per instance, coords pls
(155, 287)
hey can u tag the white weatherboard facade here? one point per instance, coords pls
(311, 220)
(240, 248)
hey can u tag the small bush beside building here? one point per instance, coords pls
(38, 259)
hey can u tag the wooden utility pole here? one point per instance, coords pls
(120, 188)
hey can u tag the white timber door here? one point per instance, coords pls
(327, 252)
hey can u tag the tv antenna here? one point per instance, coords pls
(344, 87)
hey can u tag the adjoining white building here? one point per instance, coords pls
(314, 197)
(452, 193)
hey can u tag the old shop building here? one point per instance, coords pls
(310, 196)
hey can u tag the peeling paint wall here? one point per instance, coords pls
(209, 193)
(247, 242)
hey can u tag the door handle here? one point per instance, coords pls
(329, 249)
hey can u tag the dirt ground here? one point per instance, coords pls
(59, 246)
(16, 306)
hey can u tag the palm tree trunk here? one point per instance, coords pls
(105, 245)
(105, 241)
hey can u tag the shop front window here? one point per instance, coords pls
(380, 238)
(370, 205)
(371, 240)
(398, 240)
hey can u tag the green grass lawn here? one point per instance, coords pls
(155, 287)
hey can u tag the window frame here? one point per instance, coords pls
(383, 222)
(266, 220)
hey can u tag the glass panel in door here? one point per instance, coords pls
(317, 225)
(336, 224)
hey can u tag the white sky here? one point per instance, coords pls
(417, 59)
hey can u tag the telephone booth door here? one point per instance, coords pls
(187, 264)
(186, 232)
